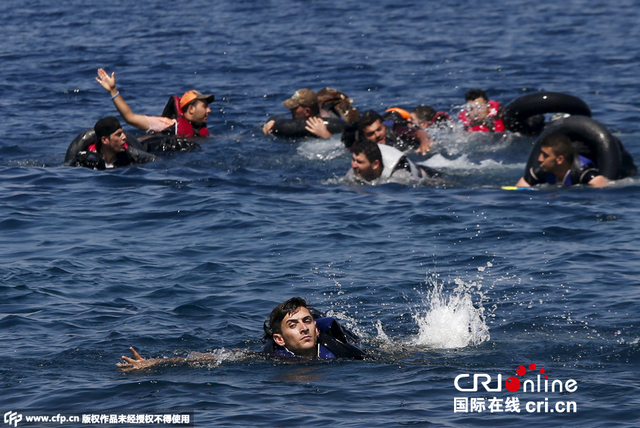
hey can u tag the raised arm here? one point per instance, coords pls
(109, 84)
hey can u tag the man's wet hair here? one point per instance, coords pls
(368, 118)
(474, 94)
(370, 150)
(282, 310)
(561, 145)
(424, 113)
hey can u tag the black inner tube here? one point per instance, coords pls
(597, 144)
(88, 137)
(296, 128)
(524, 114)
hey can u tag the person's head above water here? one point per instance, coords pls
(195, 106)
(477, 104)
(371, 127)
(556, 154)
(303, 104)
(294, 328)
(422, 116)
(109, 135)
(367, 160)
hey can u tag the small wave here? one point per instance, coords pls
(440, 162)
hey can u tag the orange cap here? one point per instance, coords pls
(195, 95)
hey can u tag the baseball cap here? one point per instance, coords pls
(195, 95)
(302, 97)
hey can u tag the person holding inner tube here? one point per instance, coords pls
(303, 105)
(561, 164)
(294, 329)
(110, 149)
(190, 112)
(481, 114)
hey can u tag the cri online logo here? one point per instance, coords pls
(513, 384)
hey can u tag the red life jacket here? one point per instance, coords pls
(491, 123)
(184, 128)
(92, 147)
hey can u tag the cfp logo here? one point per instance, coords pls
(12, 418)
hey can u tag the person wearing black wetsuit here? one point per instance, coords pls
(305, 119)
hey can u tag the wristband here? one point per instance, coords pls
(115, 96)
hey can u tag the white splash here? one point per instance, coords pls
(452, 320)
(462, 162)
(317, 149)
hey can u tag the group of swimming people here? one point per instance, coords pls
(379, 143)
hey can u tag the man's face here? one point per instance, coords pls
(116, 141)
(376, 132)
(300, 112)
(365, 169)
(477, 109)
(414, 119)
(299, 333)
(199, 111)
(548, 159)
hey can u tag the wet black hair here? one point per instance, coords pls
(368, 118)
(474, 94)
(282, 310)
(561, 145)
(370, 150)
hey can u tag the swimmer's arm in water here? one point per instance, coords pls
(425, 141)
(108, 82)
(316, 126)
(194, 358)
(522, 183)
(139, 363)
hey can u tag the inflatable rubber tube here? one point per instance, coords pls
(519, 110)
(604, 149)
(296, 128)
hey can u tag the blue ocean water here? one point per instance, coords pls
(191, 253)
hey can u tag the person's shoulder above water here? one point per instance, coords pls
(560, 163)
(481, 114)
(371, 161)
(295, 329)
(105, 148)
